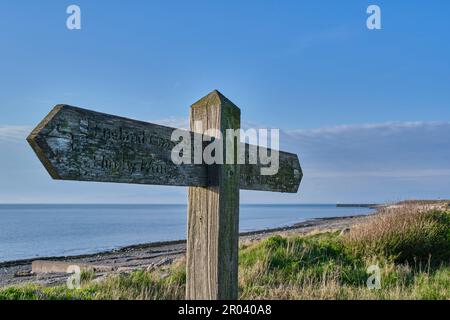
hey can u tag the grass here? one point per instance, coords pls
(410, 246)
(409, 234)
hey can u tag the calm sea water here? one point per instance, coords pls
(32, 231)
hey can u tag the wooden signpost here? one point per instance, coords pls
(83, 145)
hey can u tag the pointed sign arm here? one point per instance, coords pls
(83, 145)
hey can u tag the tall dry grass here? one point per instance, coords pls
(408, 233)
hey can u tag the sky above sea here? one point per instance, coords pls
(367, 111)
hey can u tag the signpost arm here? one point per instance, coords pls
(213, 211)
(83, 145)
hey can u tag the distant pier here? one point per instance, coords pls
(358, 205)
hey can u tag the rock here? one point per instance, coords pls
(23, 273)
(100, 278)
(62, 267)
(128, 269)
(163, 262)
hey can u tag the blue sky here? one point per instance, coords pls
(367, 111)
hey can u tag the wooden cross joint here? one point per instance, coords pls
(82, 145)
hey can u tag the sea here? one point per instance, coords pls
(36, 231)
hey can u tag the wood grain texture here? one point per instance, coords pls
(83, 145)
(287, 180)
(213, 214)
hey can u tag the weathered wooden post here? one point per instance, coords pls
(213, 212)
(83, 145)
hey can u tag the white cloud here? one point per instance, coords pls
(390, 126)
(402, 174)
(391, 149)
(179, 123)
(13, 133)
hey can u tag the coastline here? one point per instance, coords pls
(143, 256)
